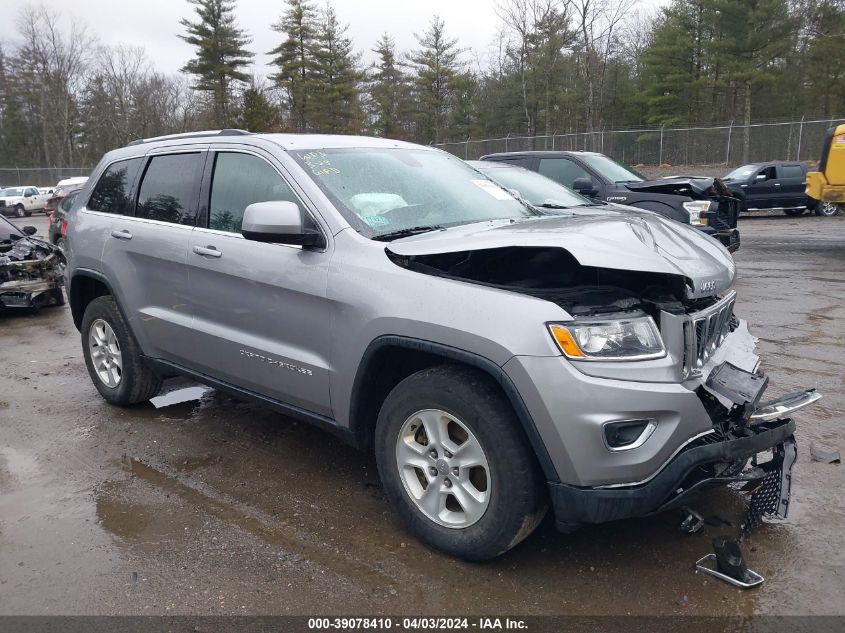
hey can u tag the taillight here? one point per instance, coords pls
(64, 228)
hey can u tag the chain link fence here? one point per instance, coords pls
(38, 176)
(703, 145)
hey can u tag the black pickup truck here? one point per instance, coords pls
(706, 203)
(775, 186)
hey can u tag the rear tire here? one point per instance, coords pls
(112, 356)
(481, 511)
(827, 209)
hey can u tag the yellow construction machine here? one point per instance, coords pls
(827, 185)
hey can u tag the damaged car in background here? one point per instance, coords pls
(31, 270)
(705, 203)
(496, 358)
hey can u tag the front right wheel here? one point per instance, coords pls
(455, 464)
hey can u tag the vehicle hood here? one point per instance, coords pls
(602, 238)
(693, 187)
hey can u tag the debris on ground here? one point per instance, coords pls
(729, 564)
(827, 457)
(693, 522)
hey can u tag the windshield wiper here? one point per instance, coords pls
(554, 205)
(414, 230)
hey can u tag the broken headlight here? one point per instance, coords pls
(695, 208)
(618, 339)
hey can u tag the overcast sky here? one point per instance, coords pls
(154, 24)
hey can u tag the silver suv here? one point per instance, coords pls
(495, 358)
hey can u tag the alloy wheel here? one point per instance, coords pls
(443, 468)
(105, 353)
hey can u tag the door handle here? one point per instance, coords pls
(122, 234)
(777, 184)
(207, 251)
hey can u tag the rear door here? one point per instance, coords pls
(261, 316)
(792, 179)
(145, 252)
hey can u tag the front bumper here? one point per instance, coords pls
(728, 237)
(703, 464)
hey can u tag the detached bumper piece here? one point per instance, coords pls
(740, 433)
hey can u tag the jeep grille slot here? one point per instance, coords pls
(704, 332)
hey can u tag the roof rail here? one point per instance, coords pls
(226, 132)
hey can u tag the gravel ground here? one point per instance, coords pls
(220, 507)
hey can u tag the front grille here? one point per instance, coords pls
(726, 214)
(704, 332)
(2, 203)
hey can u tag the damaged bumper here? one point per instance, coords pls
(692, 471)
(740, 433)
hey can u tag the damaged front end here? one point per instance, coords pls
(31, 273)
(709, 352)
(719, 219)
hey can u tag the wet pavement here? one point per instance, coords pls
(213, 506)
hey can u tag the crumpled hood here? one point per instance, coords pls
(692, 186)
(601, 238)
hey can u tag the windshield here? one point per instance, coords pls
(12, 191)
(384, 190)
(535, 188)
(741, 173)
(610, 169)
(7, 229)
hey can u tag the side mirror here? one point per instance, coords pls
(29, 230)
(585, 187)
(278, 221)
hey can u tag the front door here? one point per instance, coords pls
(761, 192)
(261, 317)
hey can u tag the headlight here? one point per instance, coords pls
(622, 339)
(695, 208)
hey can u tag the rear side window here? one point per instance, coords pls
(168, 191)
(240, 180)
(791, 171)
(562, 170)
(111, 195)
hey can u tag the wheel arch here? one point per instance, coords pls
(390, 359)
(84, 287)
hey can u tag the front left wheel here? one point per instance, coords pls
(455, 464)
(112, 356)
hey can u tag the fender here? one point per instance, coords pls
(467, 358)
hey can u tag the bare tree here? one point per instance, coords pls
(50, 69)
(598, 23)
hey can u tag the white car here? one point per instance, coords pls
(45, 191)
(75, 180)
(22, 201)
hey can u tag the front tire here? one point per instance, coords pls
(112, 356)
(19, 211)
(827, 209)
(455, 464)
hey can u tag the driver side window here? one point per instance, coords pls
(766, 174)
(240, 180)
(563, 171)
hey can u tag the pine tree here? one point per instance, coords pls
(755, 36)
(257, 113)
(336, 76)
(220, 53)
(296, 60)
(388, 88)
